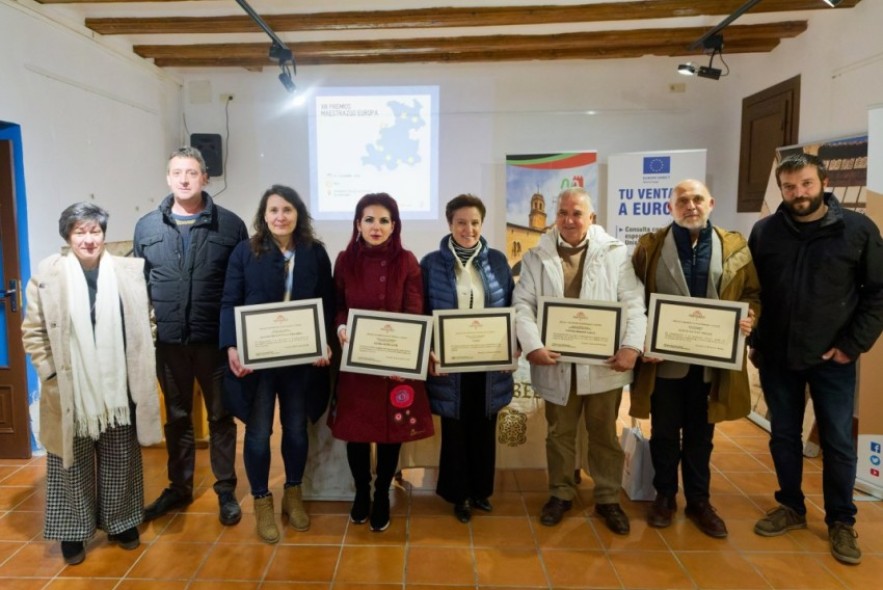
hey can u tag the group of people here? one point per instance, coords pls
(813, 267)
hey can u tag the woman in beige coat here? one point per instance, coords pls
(89, 331)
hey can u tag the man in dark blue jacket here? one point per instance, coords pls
(185, 244)
(821, 275)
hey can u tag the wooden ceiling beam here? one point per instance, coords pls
(442, 17)
(610, 44)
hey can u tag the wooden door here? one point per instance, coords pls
(14, 431)
(770, 119)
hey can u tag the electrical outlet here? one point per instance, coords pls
(226, 97)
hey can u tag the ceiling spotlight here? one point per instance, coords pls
(709, 72)
(285, 78)
(832, 3)
(687, 69)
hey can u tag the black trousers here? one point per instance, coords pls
(468, 456)
(176, 367)
(680, 433)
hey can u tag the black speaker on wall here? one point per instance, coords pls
(209, 144)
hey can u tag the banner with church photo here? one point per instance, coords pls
(533, 182)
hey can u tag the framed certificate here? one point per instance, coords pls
(385, 343)
(696, 331)
(470, 340)
(581, 331)
(280, 334)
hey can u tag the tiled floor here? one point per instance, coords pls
(427, 548)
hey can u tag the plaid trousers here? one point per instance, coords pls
(104, 488)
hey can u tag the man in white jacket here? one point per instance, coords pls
(580, 260)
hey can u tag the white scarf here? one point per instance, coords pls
(98, 356)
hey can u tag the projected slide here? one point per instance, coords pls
(374, 139)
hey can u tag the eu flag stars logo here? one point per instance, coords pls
(657, 165)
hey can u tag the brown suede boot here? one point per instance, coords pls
(293, 507)
(265, 519)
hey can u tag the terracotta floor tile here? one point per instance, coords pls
(582, 569)
(505, 504)
(6, 471)
(35, 502)
(21, 526)
(297, 586)
(749, 444)
(170, 561)
(509, 567)
(80, 584)
(431, 565)
(294, 563)
(783, 570)
(756, 483)
(743, 538)
(136, 584)
(641, 537)
(222, 585)
(428, 549)
(329, 507)
(8, 549)
(29, 475)
(371, 565)
(570, 533)
(361, 534)
(648, 569)
(104, 560)
(12, 496)
(508, 531)
(357, 586)
(236, 562)
(24, 583)
(325, 529)
(683, 535)
(735, 428)
(866, 575)
(730, 462)
(192, 527)
(438, 530)
(35, 560)
(719, 570)
(428, 504)
(736, 506)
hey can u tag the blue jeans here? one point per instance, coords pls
(273, 383)
(832, 389)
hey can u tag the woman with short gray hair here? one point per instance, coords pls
(89, 331)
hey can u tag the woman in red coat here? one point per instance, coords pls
(376, 273)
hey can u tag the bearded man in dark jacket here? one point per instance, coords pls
(821, 276)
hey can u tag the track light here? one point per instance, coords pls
(832, 3)
(712, 45)
(278, 50)
(709, 72)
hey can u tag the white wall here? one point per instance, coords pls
(490, 110)
(96, 124)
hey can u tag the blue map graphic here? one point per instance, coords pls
(396, 146)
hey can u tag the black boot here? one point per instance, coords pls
(358, 456)
(387, 463)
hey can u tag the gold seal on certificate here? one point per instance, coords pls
(581, 331)
(385, 343)
(696, 331)
(280, 334)
(470, 340)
